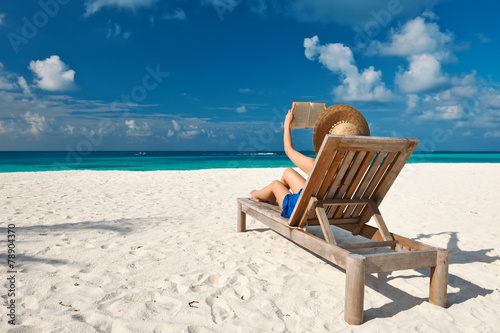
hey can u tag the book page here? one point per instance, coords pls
(314, 112)
(301, 114)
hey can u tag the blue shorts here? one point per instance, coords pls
(289, 202)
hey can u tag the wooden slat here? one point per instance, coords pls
(372, 143)
(261, 205)
(338, 202)
(388, 262)
(379, 174)
(315, 221)
(374, 182)
(365, 181)
(355, 182)
(348, 179)
(263, 208)
(311, 206)
(380, 222)
(335, 186)
(367, 245)
(404, 244)
(340, 174)
(332, 171)
(397, 166)
(325, 225)
(318, 172)
(390, 176)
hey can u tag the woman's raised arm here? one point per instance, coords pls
(303, 162)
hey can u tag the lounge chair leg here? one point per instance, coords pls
(354, 289)
(242, 220)
(439, 279)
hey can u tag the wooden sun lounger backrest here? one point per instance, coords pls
(351, 168)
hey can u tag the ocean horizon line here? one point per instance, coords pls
(32, 161)
(233, 151)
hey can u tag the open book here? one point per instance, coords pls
(306, 114)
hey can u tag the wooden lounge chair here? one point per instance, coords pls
(350, 178)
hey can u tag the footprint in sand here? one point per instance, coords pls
(179, 284)
(108, 246)
(149, 254)
(110, 299)
(118, 269)
(87, 270)
(219, 309)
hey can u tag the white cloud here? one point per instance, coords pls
(418, 37)
(2, 16)
(136, 129)
(37, 124)
(188, 134)
(259, 7)
(336, 57)
(5, 84)
(209, 133)
(115, 30)
(176, 125)
(170, 133)
(92, 6)
(241, 109)
(492, 134)
(451, 112)
(7, 80)
(24, 86)
(425, 47)
(68, 129)
(469, 102)
(177, 15)
(491, 99)
(222, 6)
(52, 74)
(424, 74)
(245, 90)
(366, 86)
(463, 101)
(430, 15)
(413, 101)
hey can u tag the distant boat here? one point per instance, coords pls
(142, 154)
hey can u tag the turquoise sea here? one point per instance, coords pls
(191, 160)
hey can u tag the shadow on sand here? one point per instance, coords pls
(466, 289)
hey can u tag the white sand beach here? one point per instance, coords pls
(118, 251)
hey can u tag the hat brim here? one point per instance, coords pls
(333, 115)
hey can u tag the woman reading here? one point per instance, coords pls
(339, 119)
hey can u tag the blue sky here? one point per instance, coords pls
(221, 74)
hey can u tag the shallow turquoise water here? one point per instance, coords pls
(54, 161)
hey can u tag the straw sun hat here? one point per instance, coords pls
(339, 119)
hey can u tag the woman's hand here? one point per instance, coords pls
(289, 118)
